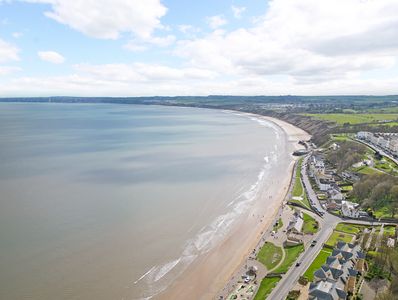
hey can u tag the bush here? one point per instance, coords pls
(303, 280)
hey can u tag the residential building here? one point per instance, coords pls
(350, 209)
(296, 224)
(337, 277)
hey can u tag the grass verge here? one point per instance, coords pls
(266, 286)
(270, 255)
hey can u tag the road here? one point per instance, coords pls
(290, 278)
(307, 186)
(327, 223)
(377, 148)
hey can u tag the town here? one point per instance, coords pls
(324, 243)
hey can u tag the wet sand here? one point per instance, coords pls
(209, 274)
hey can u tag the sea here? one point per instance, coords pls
(112, 201)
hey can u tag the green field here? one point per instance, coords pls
(338, 236)
(317, 263)
(349, 228)
(298, 190)
(310, 224)
(298, 186)
(291, 254)
(393, 109)
(270, 255)
(355, 118)
(266, 287)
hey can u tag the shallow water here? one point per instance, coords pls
(106, 201)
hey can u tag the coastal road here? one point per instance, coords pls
(308, 187)
(377, 148)
(288, 280)
(327, 224)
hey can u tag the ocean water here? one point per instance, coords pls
(103, 201)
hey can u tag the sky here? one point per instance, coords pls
(207, 47)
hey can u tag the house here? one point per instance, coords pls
(363, 135)
(332, 205)
(317, 165)
(335, 194)
(296, 224)
(324, 183)
(350, 176)
(349, 209)
(337, 277)
(326, 290)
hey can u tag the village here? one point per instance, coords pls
(322, 245)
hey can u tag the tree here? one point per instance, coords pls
(394, 200)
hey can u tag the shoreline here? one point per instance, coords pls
(210, 274)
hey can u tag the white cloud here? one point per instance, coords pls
(5, 70)
(308, 40)
(139, 45)
(238, 11)
(51, 57)
(8, 52)
(107, 19)
(17, 35)
(216, 21)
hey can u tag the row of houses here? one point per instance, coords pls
(336, 279)
(326, 182)
(387, 141)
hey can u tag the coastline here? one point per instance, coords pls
(210, 273)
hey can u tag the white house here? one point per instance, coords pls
(350, 209)
(364, 135)
(297, 222)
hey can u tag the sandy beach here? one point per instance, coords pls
(209, 274)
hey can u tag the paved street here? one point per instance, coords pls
(327, 223)
(377, 148)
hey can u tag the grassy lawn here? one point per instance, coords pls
(279, 225)
(346, 188)
(317, 263)
(298, 186)
(354, 118)
(298, 190)
(340, 137)
(389, 230)
(310, 224)
(367, 170)
(349, 228)
(383, 212)
(270, 255)
(291, 255)
(266, 286)
(339, 236)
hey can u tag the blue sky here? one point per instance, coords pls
(175, 47)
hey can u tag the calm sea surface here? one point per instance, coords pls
(115, 201)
